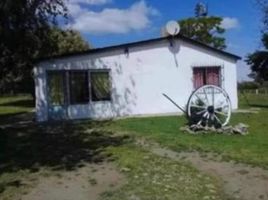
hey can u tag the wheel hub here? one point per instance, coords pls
(210, 109)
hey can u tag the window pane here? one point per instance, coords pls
(56, 88)
(79, 90)
(213, 76)
(199, 78)
(100, 86)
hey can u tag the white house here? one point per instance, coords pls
(130, 79)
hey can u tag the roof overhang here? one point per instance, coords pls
(144, 42)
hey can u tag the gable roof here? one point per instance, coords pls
(144, 42)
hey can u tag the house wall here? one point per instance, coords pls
(139, 79)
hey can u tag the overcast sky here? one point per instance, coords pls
(110, 22)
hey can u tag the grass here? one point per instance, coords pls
(16, 104)
(247, 100)
(250, 149)
(33, 151)
(149, 179)
(30, 151)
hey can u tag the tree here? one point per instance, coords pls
(29, 30)
(258, 62)
(207, 30)
(67, 41)
(263, 5)
(24, 26)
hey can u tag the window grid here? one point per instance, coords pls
(79, 85)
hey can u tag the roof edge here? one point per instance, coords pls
(142, 42)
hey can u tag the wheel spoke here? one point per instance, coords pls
(218, 119)
(213, 97)
(203, 116)
(212, 117)
(199, 122)
(197, 106)
(201, 112)
(207, 119)
(221, 107)
(221, 113)
(200, 99)
(206, 96)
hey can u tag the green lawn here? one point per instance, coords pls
(251, 100)
(251, 149)
(30, 151)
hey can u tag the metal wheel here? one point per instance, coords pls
(209, 106)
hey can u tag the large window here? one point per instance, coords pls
(100, 86)
(78, 87)
(73, 87)
(206, 76)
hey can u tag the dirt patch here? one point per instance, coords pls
(85, 183)
(239, 180)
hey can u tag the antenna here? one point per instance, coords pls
(201, 9)
(172, 28)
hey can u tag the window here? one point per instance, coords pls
(100, 86)
(206, 76)
(79, 87)
(56, 83)
(72, 87)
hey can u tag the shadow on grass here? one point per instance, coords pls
(58, 146)
(18, 117)
(258, 106)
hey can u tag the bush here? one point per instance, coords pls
(248, 85)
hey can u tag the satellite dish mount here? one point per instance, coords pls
(172, 29)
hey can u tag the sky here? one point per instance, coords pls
(110, 22)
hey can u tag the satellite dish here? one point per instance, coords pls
(172, 28)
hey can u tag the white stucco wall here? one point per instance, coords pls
(140, 78)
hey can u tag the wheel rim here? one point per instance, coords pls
(209, 105)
